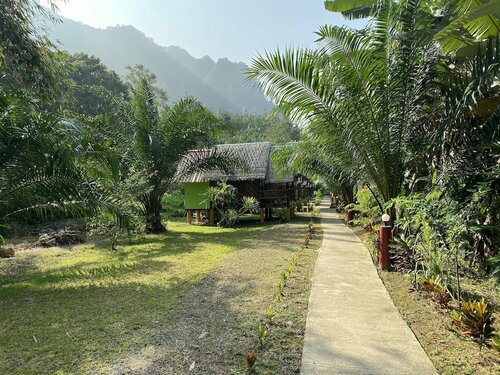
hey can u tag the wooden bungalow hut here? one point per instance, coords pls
(258, 179)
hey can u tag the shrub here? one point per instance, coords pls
(173, 205)
(231, 217)
(366, 206)
(281, 214)
(2, 241)
(474, 319)
(436, 291)
(428, 284)
(223, 197)
(298, 205)
(441, 296)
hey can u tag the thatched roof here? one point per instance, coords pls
(255, 157)
(272, 174)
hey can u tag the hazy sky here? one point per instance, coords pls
(235, 29)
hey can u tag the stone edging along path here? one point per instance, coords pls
(353, 327)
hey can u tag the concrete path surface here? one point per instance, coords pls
(353, 327)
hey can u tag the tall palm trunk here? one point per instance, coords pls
(152, 210)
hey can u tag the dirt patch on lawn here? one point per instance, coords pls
(216, 323)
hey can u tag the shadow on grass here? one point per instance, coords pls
(78, 316)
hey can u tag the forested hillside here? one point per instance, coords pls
(219, 85)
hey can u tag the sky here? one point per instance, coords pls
(235, 29)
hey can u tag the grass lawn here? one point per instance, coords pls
(159, 304)
(451, 353)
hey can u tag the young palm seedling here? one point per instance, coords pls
(284, 277)
(277, 296)
(270, 313)
(262, 332)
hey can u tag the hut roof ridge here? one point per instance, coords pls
(256, 156)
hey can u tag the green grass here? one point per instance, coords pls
(452, 353)
(158, 304)
(66, 310)
(282, 352)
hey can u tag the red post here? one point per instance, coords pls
(350, 216)
(384, 260)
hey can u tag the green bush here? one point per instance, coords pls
(2, 241)
(173, 205)
(367, 207)
(474, 319)
(298, 204)
(280, 214)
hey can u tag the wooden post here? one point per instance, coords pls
(288, 214)
(189, 217)
(198, 216)
(350, 217)
(293, 212)
(211, 216)
(384, 259)
(262, 215)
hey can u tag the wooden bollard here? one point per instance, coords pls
(350, 216)
(384, 259)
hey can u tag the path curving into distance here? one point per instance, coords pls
(353, 327)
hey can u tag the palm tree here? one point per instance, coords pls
(41, 175)
(458, 25)
(161, 137)
(366, 90)
(27, 58)
(317, 158)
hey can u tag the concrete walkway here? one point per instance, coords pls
(352, 324)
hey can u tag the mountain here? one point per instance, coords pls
(219, 85)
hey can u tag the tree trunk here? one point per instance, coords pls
(153, 210)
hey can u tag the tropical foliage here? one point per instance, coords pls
(229, 207)
(410, 106)
(245, 128)
(78, 141)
